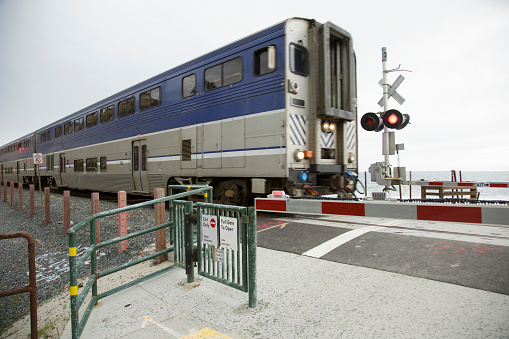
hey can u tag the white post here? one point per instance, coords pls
(385, 137)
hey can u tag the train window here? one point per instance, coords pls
(189, 86)
(144, 101)
(299, 60)
(49, 135)
(68, 128)
(135, 158)
(150, 99)
(126, 107)
(91, 119)
(155, 97)
(232, 71)
(143, 157)
(265, 60)
(43, 137)
(107, 114)
(224, 74)
(91, 164)
(213, 78)
(78, 124)
(78, 165)
(186, 150)
(104, 164)
(58, 132)
(50, 163)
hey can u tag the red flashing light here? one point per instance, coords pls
(394, 119)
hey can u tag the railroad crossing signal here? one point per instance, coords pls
(391, 119)
(392, 91)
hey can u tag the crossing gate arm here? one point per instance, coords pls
(458, 184)
(484, 214)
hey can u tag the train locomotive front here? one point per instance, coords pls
(321, 110)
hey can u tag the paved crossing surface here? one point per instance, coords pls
(466, 254)
(332, 277)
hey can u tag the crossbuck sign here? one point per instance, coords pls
(392, 91)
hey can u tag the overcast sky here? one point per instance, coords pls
(59, 56)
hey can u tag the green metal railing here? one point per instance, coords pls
(77, 326)
(236, 268)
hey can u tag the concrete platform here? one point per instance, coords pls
(300, 297)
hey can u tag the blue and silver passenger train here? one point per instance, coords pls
(274, 110)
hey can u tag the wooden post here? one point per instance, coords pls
(410, 186)
(160, 217)
(12, 193)
(20, 195)
(32, 200)
(122, 221)
(67, 211)
(95, 209)
(5, 190)
(46, 206)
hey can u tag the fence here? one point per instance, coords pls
(32, 285)
(180, 224)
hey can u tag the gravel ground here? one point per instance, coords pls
(51, 248)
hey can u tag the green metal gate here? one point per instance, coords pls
(236, 269)
(232, 260)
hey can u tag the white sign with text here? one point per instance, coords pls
(228, 231)
(209, 230)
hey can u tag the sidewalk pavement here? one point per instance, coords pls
(300, 297)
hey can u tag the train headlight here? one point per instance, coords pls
(299, 155)
(328, 127)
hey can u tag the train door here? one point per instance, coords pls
(139, 163)
(61, 166)
(18, 171)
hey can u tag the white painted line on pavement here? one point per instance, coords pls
(329, 245)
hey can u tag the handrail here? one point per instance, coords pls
(32, 285)
(77, 326)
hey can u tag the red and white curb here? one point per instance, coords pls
(480, 214)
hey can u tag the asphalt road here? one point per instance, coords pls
(470, 255)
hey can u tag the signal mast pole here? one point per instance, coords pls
(385, 136)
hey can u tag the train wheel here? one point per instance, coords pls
(231, 192)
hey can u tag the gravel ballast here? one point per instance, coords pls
(51, 247)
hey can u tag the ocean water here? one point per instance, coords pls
(485, 193)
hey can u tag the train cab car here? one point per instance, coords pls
(274, 110)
